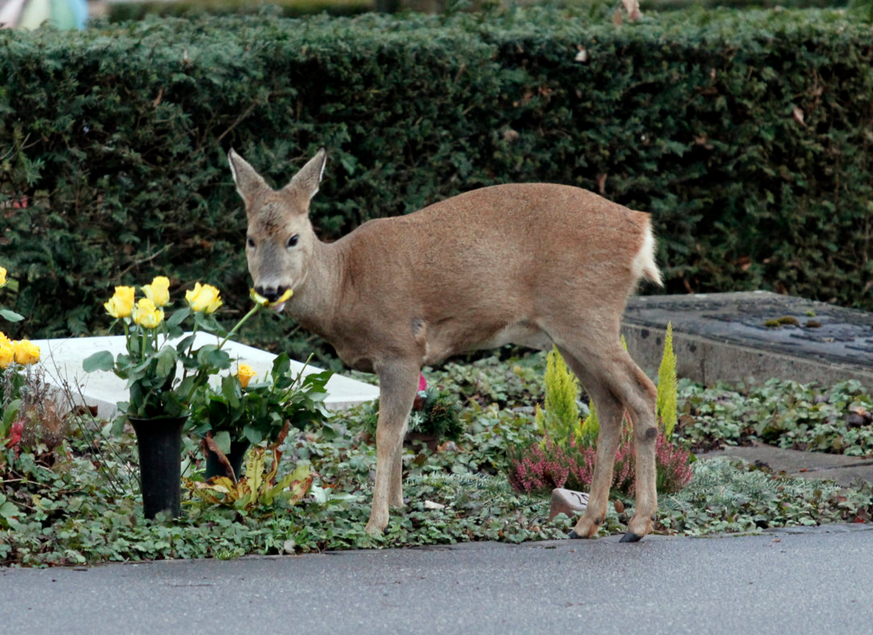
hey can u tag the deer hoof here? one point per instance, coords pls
(631, 537)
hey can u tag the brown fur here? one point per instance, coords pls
(529, 264)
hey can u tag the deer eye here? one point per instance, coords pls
(292, 241)
(250, 242)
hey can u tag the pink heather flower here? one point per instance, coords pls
(545, 466)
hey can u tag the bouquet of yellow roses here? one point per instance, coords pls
(14, 356)
(157, 345)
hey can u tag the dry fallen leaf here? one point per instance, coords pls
(433, 505)
(581, 56)
(601, 183)
(798, 115)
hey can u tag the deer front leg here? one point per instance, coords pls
(397, 386)
(395, 498)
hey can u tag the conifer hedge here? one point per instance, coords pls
(747, 135)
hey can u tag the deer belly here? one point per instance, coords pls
(522, 334)
(452, 339)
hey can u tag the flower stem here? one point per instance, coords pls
(254, 310)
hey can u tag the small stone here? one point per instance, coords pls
(433, 505)
(855, 420)
(566, 501)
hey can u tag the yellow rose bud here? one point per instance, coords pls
(245, 373)
(204, 298)
(158, 291)
(26, 352)
(147, 315)
(121, 304)
(2, 277)
(7, 354)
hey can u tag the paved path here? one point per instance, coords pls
(845, 470)
(793, 583)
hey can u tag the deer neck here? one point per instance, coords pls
(316, 298)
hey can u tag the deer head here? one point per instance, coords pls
(280, 237)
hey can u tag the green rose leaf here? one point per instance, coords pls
(178, 317)
(166, 361)
(10, 316)
(99, 361)
(210, 355)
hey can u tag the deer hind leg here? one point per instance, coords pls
(397, 385)
(610, 412)
(641, 397)
(616, 384)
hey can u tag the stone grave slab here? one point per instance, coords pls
(62, 361)
(724, 336)
(845, 470)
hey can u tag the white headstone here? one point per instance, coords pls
(62, 360)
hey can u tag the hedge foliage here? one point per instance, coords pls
(747, 135)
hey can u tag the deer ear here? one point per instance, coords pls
(248, 182)
(305, 183)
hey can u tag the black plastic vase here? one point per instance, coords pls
(238, 449)
(160, 464)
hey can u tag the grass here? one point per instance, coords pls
(79, 502)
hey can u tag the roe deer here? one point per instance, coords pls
(525, 264)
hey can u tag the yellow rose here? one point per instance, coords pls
(245, 373)
(4, 339)
(259, 299)
(121, 304)
(2, 277)
(146, 314)
(158, 291)
(7, 354)
(26, 352)
(204, 298)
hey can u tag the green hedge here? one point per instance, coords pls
(118, 137)
(123, 11)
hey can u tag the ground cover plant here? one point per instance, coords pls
(77, 502)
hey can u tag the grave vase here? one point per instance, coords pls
(159, 442)
(238, 449)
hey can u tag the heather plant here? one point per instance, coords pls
(541, 467)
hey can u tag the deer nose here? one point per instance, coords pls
(271, 293)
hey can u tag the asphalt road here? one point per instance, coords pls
(812, 582)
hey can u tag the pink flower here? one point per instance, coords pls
(422, 382)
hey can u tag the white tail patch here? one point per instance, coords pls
(644, 265)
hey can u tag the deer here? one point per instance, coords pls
(533, 265)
